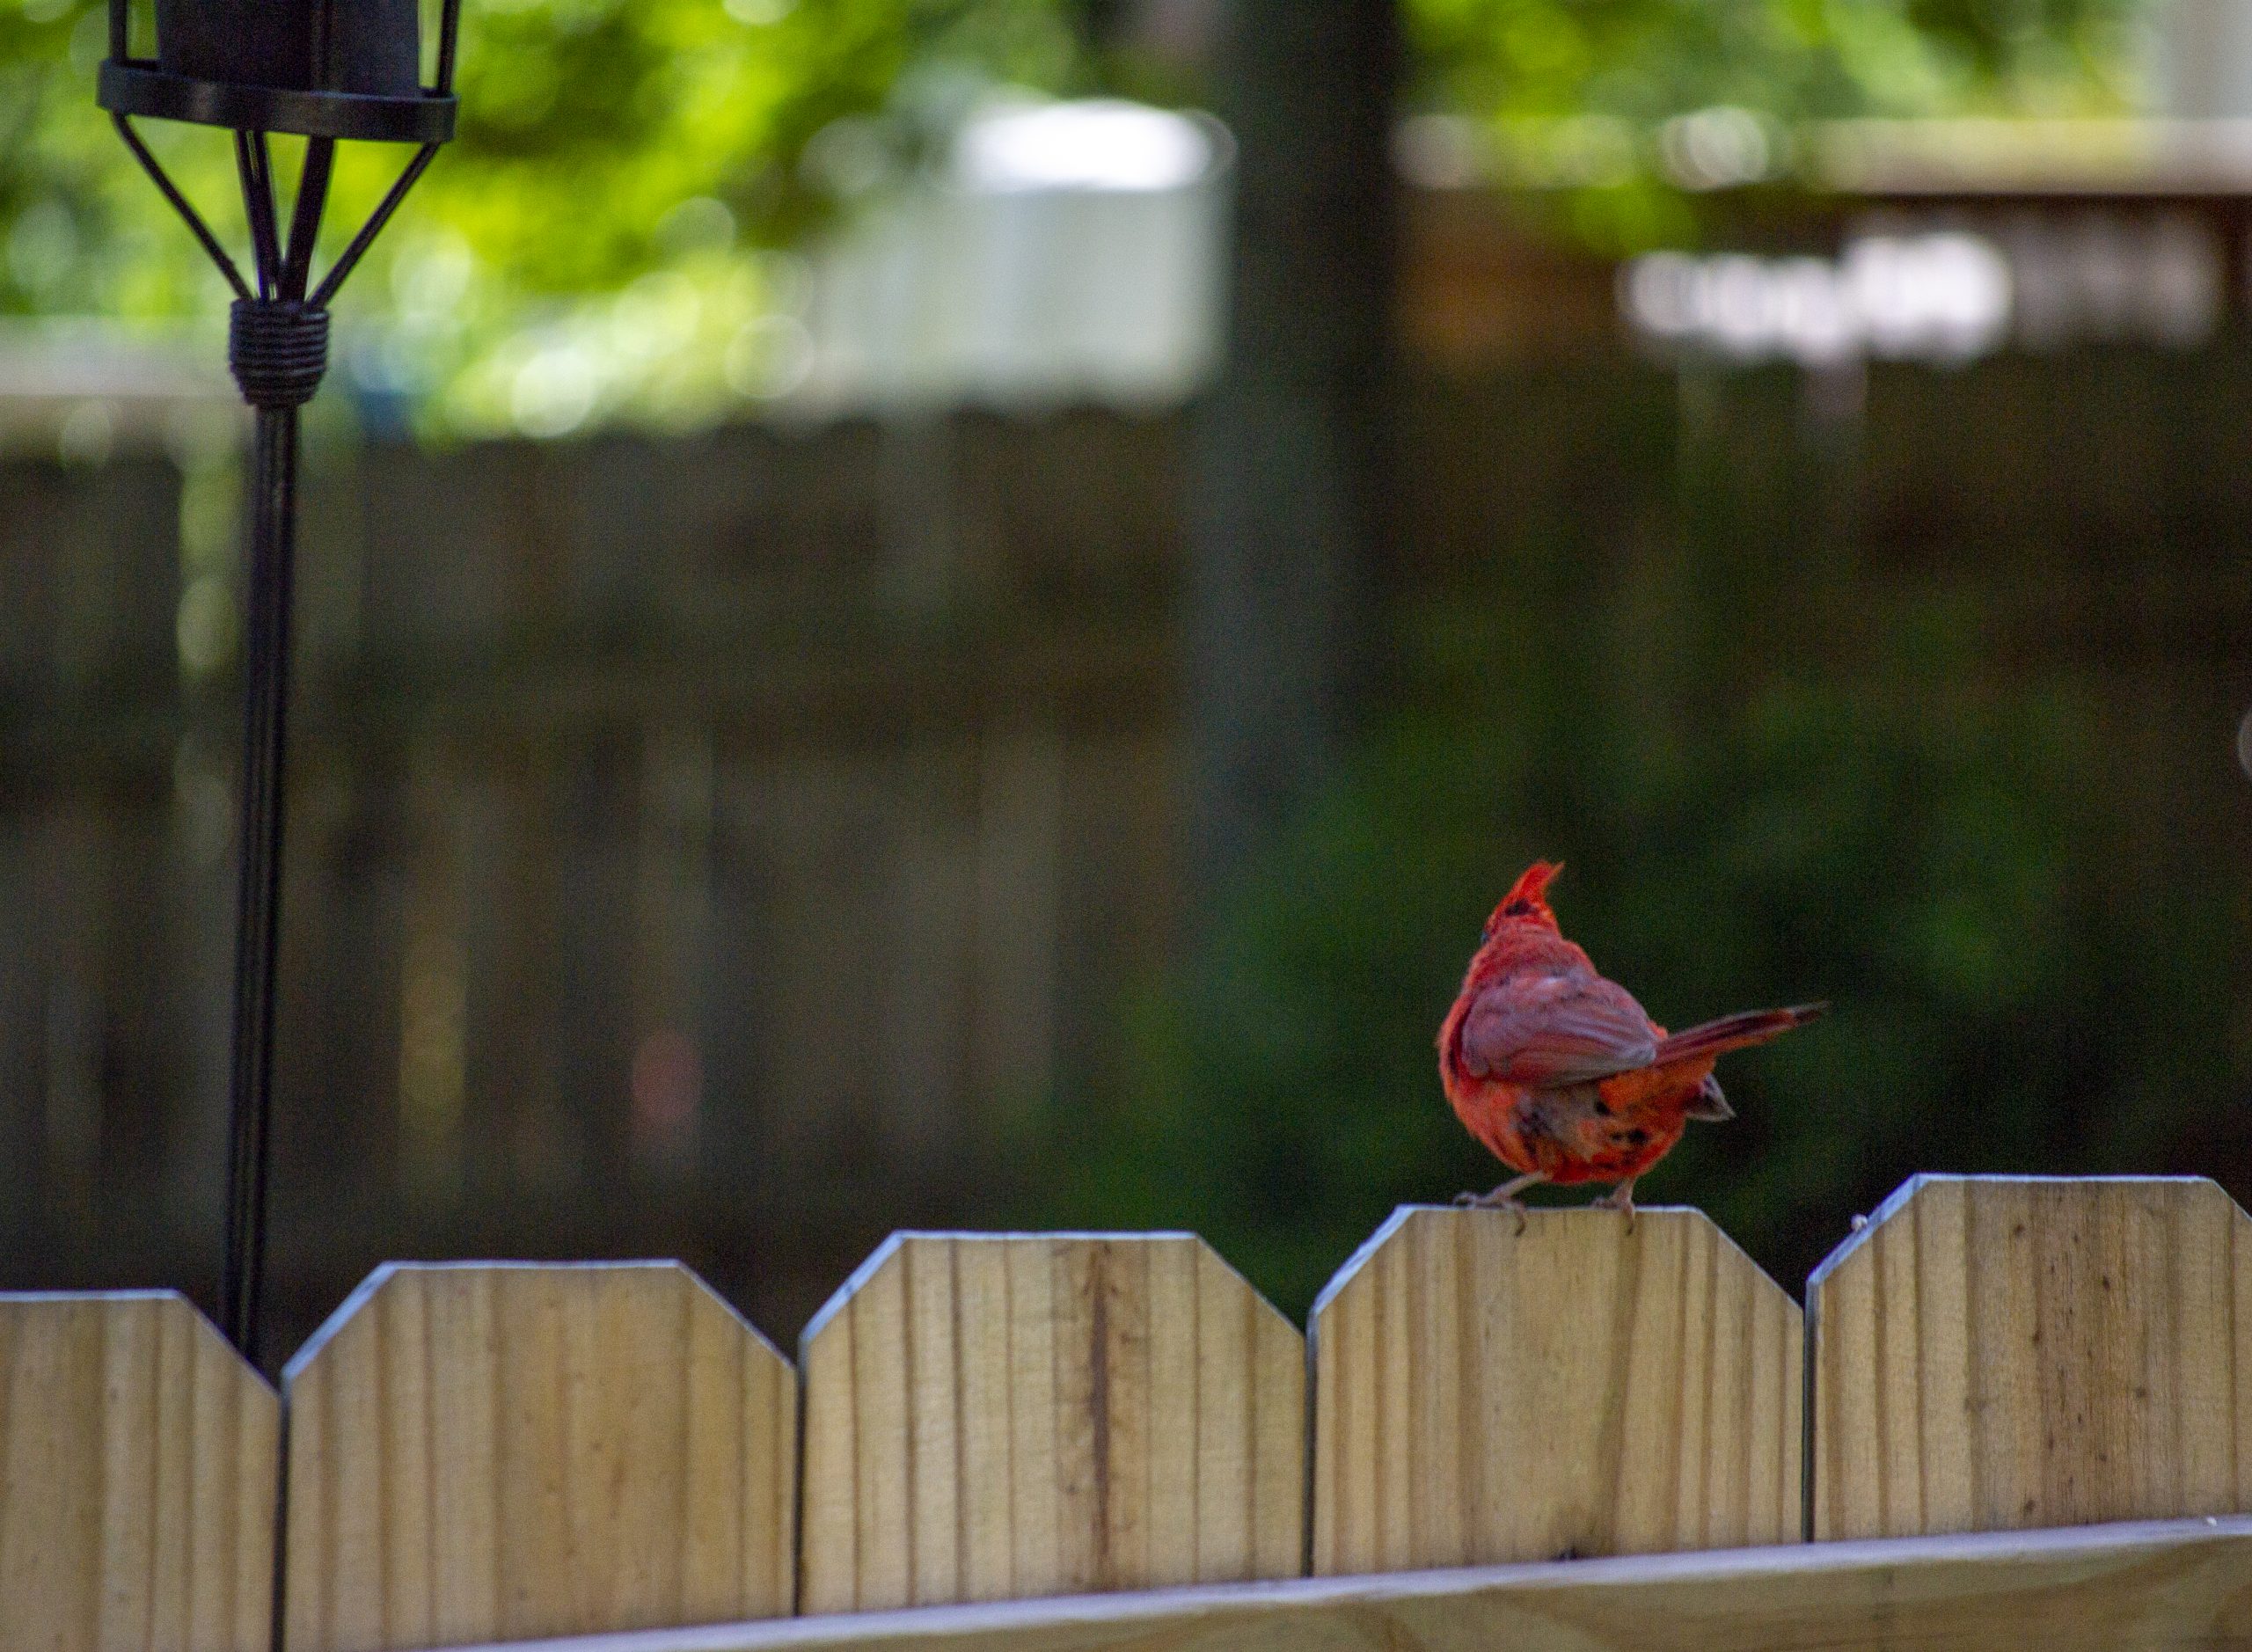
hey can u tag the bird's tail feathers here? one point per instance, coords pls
(1734, 1032)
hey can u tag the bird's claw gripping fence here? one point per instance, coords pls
(327, 70)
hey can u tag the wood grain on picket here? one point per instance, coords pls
(497, 1451)
(137, 1478)
(2000, 1352)
(1581, 1387)
(993, 1417)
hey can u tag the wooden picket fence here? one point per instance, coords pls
(2014, 1412)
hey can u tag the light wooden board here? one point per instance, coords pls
(138, 1477)
(486, 1452)
(2182, 1588)
(1580, 1388)
(1996, 1352)
(994, 1417)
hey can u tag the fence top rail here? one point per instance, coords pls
(2171, 1583)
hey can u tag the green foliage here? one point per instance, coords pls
(1645, 60)
(635, 109)
(589, 244)
(1770, 781)
(71, 237)
(601, 143)
(1579, 91)
(619, 164)
(586, 124)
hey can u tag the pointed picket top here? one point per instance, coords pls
(1000, 1416)
(137, 1477)
(500, 1451)
(1996, 1352)
(1491, 1388)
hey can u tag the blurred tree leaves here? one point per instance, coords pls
(1646, 60)
(1627, 107)
(586, 123)
(601, 142)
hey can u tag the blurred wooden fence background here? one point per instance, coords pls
(489, 1453)
(630, 773)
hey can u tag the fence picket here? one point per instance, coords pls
(137, 1474)
(1583, 1387)
(485, 1451)
(489, 1451)
(993, 1417)
(1992, 1353)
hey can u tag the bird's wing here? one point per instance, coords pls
(1545, 1030)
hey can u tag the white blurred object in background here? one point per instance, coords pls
(2038, 280)
(1067, 252)
(2204, 57)
(1942, 297)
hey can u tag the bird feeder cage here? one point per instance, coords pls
(328, 69)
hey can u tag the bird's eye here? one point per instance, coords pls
(1516, 909)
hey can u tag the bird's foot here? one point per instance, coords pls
(1494, 1200)
(1504, 1197)
(1487, 1202)
(1619, 1198)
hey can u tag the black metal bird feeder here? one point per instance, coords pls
(326, 70)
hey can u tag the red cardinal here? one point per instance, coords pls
(1560, 1073)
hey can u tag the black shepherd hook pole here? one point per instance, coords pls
(278, 348)
(261, 67)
